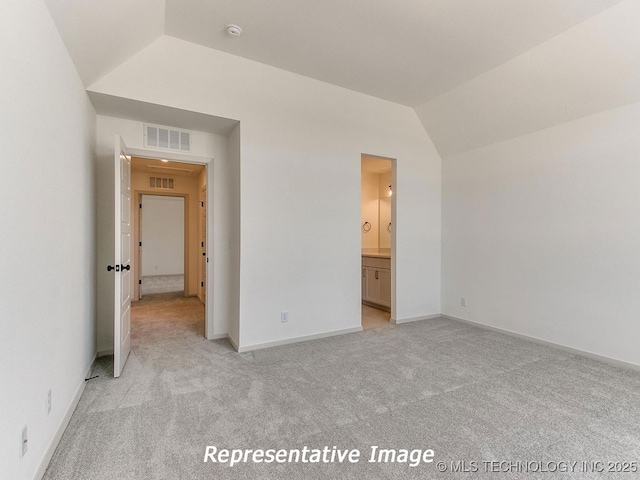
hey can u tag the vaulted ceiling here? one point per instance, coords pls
(407, 52)
(451, 60)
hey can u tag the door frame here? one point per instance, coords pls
(137, 234)
(209, 320)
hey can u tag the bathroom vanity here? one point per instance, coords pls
(376, 278)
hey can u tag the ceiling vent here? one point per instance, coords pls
(163, 183)
(164, 137)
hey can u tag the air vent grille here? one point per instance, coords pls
(163, 183)
(165, 137)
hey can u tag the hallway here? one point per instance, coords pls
(166, 317)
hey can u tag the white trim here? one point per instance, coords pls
(305, 338)
(104, 353)
(399, 321)
(576, 351)
(218, 336)
(64, 423)
(376, 305)
(184, 157)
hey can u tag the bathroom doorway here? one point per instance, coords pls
(377, 232)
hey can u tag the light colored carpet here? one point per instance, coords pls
(154, 284)
(468, 393)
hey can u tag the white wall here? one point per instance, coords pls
(162, 235)
(220, 191)
(541, 234)
(300, 176)
(47, 290)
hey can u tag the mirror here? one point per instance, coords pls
(376, 195)
(384, 211)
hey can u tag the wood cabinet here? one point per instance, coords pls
(376, 281)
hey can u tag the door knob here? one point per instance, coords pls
(110, 267)
(125, 267)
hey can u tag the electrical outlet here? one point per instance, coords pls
(49, 402)
(284, 317)
(463, 301)
(23, 442)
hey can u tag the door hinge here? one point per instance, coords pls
(139, 205)
(202, 284)
(202, 244)
(202, 204)
(139, 244)
(139, 282)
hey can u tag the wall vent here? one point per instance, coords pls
(165, 137)
(164, 183)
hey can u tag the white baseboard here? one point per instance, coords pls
(44, 463)
(221, 336)
(304, 338)
(105, 353)
(218, 336)
(576, 351)
(398, 321)
(376, 305)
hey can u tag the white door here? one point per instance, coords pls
(122, 258)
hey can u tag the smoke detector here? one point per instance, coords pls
(233, 30)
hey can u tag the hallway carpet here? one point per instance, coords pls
(469, 394)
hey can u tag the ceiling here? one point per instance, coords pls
(407, 52)
(160, 168)
(100, 35)
(371, 164)
(112, 106)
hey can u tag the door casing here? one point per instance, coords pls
(137, 238)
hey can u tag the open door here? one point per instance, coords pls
(203, 245)
(122, 257)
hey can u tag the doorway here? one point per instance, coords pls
(163, 225)
(169, 241)
(377, 227)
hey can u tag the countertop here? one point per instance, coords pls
(376, 252)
